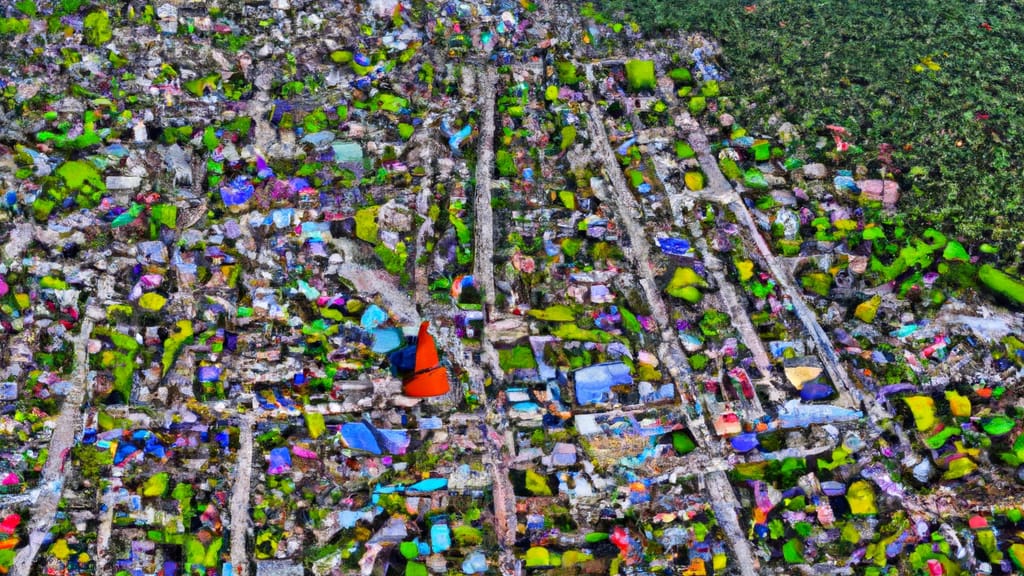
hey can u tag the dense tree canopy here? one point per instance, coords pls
(935, 80)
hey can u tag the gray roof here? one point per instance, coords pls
(279, 568)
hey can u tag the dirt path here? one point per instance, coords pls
(368, 281)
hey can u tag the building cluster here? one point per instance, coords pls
(403, 287)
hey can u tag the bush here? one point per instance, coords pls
(567, 73)
(568, 137)
(506, 164)
(13, 26)
(393, 260)
(684, 151)
(1002, 284)
(680, 76)
(697, 105)
(97, 28)
(640, 75)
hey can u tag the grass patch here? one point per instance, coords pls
(520, 357)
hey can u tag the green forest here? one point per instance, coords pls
(938, 81)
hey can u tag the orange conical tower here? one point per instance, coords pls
(426, 350)
(429, 378)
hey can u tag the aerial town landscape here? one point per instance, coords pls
(410, 288)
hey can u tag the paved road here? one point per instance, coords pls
(724, 503)
(822, 343)
(497, 454)
(622, 199)
(369, 281)
(54, 472)
(719, 490)
(103, 558)
(740, 320)
(240, 493)
(483, 259)
(719, 189)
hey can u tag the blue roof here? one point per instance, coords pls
(594, 383)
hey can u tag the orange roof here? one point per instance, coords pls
(430, 383)
(429, 377)
(426, 350)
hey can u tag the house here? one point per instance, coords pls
(278, 568)
(727, 424)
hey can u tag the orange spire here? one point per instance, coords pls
(429, 377)
(430, 383)
(426, 350)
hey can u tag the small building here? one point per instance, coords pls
(279, 568)
(727, 424)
